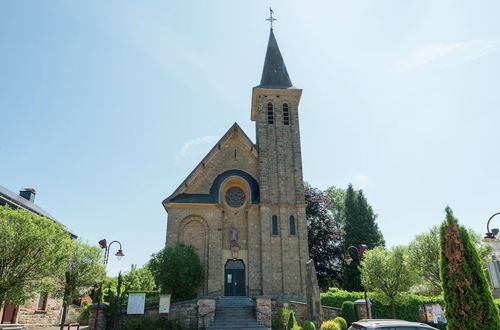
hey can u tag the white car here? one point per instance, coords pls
(373, 324)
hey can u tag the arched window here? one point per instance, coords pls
(270, 114)
(292, 225)
(274, 229)
(286, 115)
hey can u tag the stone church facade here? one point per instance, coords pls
(243, 207)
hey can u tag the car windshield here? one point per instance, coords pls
(356, 327)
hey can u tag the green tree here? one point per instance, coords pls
(178, 270)
(34, 253)
(468, 299)
(85, 269)
(387, 272)
(360, 227)
(336, 204)
(324, 238)
(424, 253)
(115, 297)
(139, 279)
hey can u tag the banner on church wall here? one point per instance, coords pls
(164, 303)
(136, 303)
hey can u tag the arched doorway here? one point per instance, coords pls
(234, 278)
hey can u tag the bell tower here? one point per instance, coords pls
(275, 103)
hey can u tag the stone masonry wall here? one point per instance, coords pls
(282, 194)
(300, 309)
(34, 319)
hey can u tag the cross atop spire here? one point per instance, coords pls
(271, 19)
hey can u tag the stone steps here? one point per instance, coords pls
(11, 326)
(235, 313)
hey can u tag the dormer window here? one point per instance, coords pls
(286, 115)
(270, 114)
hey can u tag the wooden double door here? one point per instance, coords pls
(9, 314)
(234, 278)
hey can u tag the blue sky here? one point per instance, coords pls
(105, 107)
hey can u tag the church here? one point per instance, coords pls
(243, 207)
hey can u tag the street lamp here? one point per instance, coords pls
(359, 255)
(119, 254)
(491, 235)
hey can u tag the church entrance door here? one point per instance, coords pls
(234, 278)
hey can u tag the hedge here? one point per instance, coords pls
(407, 306)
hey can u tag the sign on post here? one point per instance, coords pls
(136, 303)
(164, 303)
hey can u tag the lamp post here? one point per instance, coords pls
(491, 235)
(359, 254)
(119, 254)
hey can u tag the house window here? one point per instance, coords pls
(292, 225)
(42, 302)
(274, 229)
(286, 114)
(270, 114)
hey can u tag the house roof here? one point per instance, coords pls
(17, 201)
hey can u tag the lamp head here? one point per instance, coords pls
(489, 236)
(348, 259)
(119, 254)
(495, 231)
(362, 249)
(103, 244)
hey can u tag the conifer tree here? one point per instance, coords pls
(360, 227)
(468, 299)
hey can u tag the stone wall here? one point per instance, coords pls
(33, 319)
(185, 312)
(194, 313)
(301, 311)
(101, 318)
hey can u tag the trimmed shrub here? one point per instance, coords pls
(308, 325)
(330, 325)
(341, 322)
(281, 320)
(347, 312)
(292, 322)
(407, 306)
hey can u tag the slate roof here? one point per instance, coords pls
(13, 199)
(274, 74)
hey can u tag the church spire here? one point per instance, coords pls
(274, 74)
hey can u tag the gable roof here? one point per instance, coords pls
(234, 129)
(16, 201)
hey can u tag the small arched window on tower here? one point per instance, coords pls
(292, 225)
(274, 225)
(270, 114)
(286, 114)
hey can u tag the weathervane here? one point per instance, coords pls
(271, 19)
